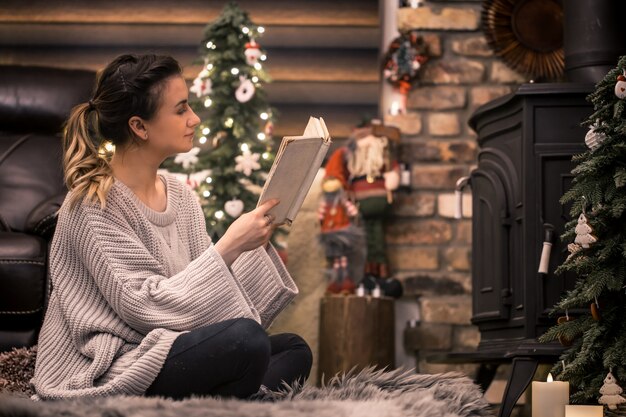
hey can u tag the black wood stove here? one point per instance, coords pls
(526, 142)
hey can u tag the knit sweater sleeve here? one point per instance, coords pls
(132, 280)
(266, 282)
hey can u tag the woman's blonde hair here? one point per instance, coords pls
(130, 85)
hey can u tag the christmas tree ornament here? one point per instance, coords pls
(188, 159)
(247, 162)
(564, 340)
(620, 87)
(573, 249)
(595, 310)
(584, 236)
(252, 53)
(233, 208)
(201, 85)
(611, 393)
(245, 91)
(593, 138)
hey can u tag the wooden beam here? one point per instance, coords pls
(270, 12)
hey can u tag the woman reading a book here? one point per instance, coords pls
(142, 302)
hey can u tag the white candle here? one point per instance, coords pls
(549, 398)
(395, 108)
(584, 411)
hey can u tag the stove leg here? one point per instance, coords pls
(522, 372)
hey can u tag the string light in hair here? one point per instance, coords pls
(229, 122)
(260, 29)
(208, 180)
(245, 30)
(234, 71)
(255, 79)
(206, 193)
(219, 215)
(244, 147)
(263, 57)
(264, 116)
(261, 136)
(266, 155)
(208, 102)
(202, 140)
(258, 66)
(206, 131)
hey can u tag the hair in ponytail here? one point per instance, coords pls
(130, 85)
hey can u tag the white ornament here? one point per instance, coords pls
(201, 87)
(611, 393)
(196, 178)
(234, 208)
(188, 158)
(620, 87)
(252, 52)
(245, 91)
(593, 138)
(583, 232)
(246, 162)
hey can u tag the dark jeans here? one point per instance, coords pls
(231, 358)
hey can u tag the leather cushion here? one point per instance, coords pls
(23, 274)
(39, 99)
(30, 174)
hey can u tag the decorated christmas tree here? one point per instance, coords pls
(228, 166)
(598, 249)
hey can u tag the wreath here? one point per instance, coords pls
(404, 58)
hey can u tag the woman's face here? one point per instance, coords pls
(171, 130)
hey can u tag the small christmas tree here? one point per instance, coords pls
(599, 260)
(234, 148)
(611, 393)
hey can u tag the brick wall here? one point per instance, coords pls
(428, 249)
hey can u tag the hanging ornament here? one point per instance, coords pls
(201, 86)
(196, 178)
(620, 87)
(564, 340)
(245, 91)
(611, 393)
(584, 232)
(269, 128)
(246, 162)
(573, 249)
(233, 208)
(252, 52)
(593, 138)
(219, 138)
(188, 158)
(595, 310)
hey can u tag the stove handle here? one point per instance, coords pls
(461, 183)
(548, 238)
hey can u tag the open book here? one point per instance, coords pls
(297, 161)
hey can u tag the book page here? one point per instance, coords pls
(288, 176)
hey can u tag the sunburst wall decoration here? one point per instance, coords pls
(527, 35)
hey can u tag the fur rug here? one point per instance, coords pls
(368, 393)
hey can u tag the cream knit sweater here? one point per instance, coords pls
(121, 295)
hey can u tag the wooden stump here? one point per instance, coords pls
(355, 332)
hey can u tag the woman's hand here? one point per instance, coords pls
(248, 232)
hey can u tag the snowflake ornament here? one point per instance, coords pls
(246, 162)
(188, 158)
(201, 87)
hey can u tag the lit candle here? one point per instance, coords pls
(395, 108)
(584, 411)
(549, 398)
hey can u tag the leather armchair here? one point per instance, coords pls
(34, 103)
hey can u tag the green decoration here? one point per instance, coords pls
(597, 190)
